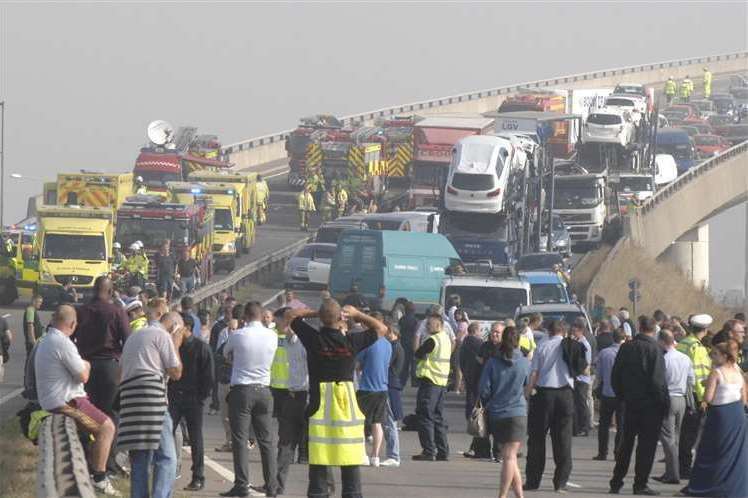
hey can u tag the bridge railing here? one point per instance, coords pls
(691, 175)
(481, 94)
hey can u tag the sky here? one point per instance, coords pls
(82, 81)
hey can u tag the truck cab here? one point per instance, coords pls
(74, 245)
(580, 200)
(19, 266)
(632, 189)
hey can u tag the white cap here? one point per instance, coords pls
(701, 321)
(133, 304)
(117, 245)
(140, 244)
(134, 246)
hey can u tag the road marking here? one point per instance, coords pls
(277, 174)
(10, 396)
(215, 466)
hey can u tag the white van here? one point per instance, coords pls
(478, 175)
(666, 170)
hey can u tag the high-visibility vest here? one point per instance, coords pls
(435, 367)
(707, 79)
(262, 191)
(336, 430)
(306, 201)
(279, 369)
(138, 323)
(692, 347)
(670, 87)
(342, 197)
(686, 88)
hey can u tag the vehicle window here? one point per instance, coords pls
(324, 253)
(158, 178)
(68, 246)
(706, 140)
(558, 224)
(474, 250)
(347, 254)
(383, 224)
(405, 227)
(305, 252)
(619, 102)
(531, 262)
(676, 113)
(548, 294)
(488, 303)
(572, 194)
(152, 232)
(473, 182)
(328, 235)
(223, 219)
(636, 183)
(604, 119)
(369, 258)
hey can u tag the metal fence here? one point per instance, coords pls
(479, 94)
(62, 469)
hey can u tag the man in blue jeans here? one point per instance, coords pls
(147, 432)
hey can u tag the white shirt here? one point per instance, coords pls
(58, 367)
(298, 375)
(150, 351)
(421, 331)
(253, 349)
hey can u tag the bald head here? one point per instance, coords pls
(329, 313)
(65, 319)
(666, 338)
(172, 321)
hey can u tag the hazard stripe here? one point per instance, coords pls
(313, 155)
(356, 162)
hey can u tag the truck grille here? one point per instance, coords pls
(571, 218)
(74, 279)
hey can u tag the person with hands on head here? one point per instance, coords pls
(336, 424)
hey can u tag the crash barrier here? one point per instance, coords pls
(255, 271)
(62, 469)
(272, 147)
(692, 174)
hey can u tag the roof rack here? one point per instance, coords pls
(485, 267)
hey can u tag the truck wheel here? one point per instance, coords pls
(8, 293)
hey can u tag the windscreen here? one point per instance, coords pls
(151, 232)
(544, 261)
(383, 224)
(297, 144)
(441, 136)
(706, 140)
(576, 194)
(619, 102)
(635, 90)
(679, 151)
(223, 220)
(471, 251)
(71, 246)
(604, 119)
(676, 114)
(474, 182)
(636, 183)
(158, 178)
(548, 294)
(329, 234)
(488, 303)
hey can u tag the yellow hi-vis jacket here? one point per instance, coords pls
(263, 192)
(670, 87)
(342, 197)
(137, 264)
(692, 347)
(686, 88)
(336, 430)
(138, 323)
(435, 367)
(279, 368)
(306, 201)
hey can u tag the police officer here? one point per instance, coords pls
(707, 83)
(263, 196)
(336, 424)
(137, 317)
(119, 256)
(670, 89)
(686, 89)
(692, 347)
(137, 265)
(306, 207)
(279, 369)
(432, 371)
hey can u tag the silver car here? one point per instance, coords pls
(561, 240)
(297, 267)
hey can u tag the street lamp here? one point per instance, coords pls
(19, 176)
(2, 160)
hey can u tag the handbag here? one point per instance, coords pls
(476, 424)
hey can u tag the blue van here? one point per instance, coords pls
(406, 264)
(677, 143)
(546, 287)
(473, 249)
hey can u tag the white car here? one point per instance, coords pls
(609, 125)
(666, 169)
(635, 104)
(479, 175)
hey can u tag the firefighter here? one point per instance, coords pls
(336, 424)
(306, 207)
(341, 199)
(140, 188)
(670, 89)
(707, 83)
(316, 184)
(137, 265)
(263, 196)
(328, 205)
(119, 258)
(686, 89)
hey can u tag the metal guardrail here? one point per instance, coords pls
(250, 272)
(479, 94)
(62, 469)
(691, 174)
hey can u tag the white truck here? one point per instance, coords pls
(582, 203)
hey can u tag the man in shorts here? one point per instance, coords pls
(372, 391)
(60, 376)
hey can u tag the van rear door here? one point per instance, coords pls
(358, 259)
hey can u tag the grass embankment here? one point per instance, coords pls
(663, 286)
(586, 269)
(17, 462)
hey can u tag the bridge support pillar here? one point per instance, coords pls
(691, 254)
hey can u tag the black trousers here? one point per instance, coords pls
(481, 446)
(252, 405)
(689, 431)
(581, 408)
(292, 433)
(432, 428)
(279, 397)
(188, 408)
(641, 425)
(608, 408)
(320, 485)
(550, 410)
(103, 385)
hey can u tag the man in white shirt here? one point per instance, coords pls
(252, 350)
(60, 376)
(421, 333)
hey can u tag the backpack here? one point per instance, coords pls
(574, 355)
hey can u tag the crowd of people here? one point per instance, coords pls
(137, 372)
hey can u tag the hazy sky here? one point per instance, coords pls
(82, 81)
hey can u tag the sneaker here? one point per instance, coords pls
(390, 462)
(366, 461)
(374, 461)
(105, 487)
(225, 448)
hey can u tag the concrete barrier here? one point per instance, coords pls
(272, 147)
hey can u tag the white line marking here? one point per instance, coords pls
(277, 174)
(10, 396)
(217, 467)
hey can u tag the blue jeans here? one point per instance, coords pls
(188, 284)
(164, 461)
(391, 435)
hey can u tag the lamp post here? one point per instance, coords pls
(2, 162)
